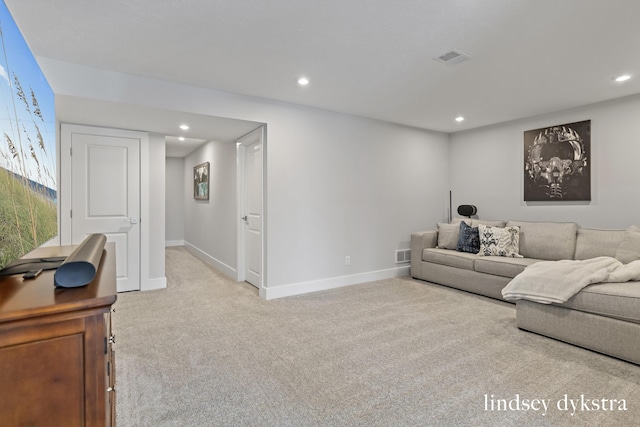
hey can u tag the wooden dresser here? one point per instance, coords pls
(56, 357)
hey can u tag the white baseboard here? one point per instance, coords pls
(333, 282)
(174, 243)
(218, 265)
(152, 284)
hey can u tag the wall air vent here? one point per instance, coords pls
(403, 255)
(453, 57)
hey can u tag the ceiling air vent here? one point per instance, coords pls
(453, 57)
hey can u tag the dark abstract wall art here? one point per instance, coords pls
(557, 163)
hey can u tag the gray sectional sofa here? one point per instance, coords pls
(604, 317)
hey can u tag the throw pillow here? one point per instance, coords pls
(495, 241)
(468, 241)
(629, 249)
(448, 235)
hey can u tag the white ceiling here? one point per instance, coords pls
(371, 58)
(126, 116)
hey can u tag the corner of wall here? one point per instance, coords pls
(333, 282)
(217, 264)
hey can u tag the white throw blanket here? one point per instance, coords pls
(549, 282)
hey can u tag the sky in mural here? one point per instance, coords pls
(27, 114)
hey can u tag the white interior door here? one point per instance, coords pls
(252, 207)
(105, 193)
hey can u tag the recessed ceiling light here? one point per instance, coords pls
(181, 138)
(184, 127)
(303, 81)
(622, 78)
(459, 119)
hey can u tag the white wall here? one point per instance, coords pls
(345, 186)
(175, 201)
(152, 178)
(487, 168)
(336, 185)
(210, 225)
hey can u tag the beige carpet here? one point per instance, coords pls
(208, 351)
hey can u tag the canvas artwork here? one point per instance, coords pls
(201, 181)
(557, 163)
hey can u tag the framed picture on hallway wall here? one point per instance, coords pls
(201, 181)
(557, 163)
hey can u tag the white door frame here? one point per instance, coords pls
(65, 185)
(240, 201)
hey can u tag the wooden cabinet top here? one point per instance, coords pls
(20, 298)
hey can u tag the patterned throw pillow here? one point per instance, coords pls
(496, 241)
(468, 241)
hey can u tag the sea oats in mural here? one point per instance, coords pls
(28, 192)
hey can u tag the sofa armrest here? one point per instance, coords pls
(419, 241)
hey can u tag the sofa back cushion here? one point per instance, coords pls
(592, 243)
(547, 240)
(488, 223)
(629, 249)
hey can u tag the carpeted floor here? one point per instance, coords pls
(208, 351)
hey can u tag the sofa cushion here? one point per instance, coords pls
(496, 241)
(477, 222)
(629, 249)
(502, 266)
(547, 240)
(448, 235)
(593, 243)
(617, 300)
(469, 240)
(450, 258)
